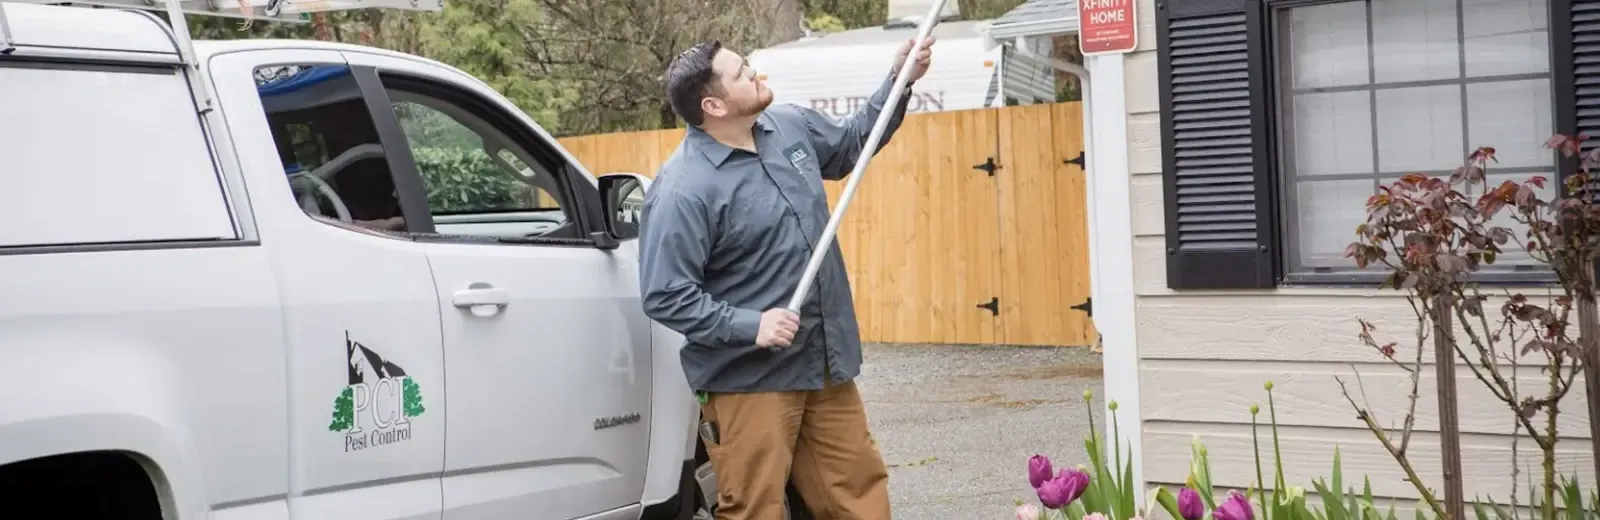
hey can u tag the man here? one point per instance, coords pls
(726, 230)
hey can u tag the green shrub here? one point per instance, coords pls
(459, 179)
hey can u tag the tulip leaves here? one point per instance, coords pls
(1164, 497)
(1103, 492)
(1111, 491)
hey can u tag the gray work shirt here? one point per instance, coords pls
(725, 235)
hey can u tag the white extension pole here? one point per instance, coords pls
(867, 151)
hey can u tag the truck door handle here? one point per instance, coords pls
(482, 299)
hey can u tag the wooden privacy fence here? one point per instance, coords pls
(942, 247)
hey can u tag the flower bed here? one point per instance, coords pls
(1432, 234)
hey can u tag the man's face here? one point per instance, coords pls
(742, 94)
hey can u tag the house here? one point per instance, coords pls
(1233, 151)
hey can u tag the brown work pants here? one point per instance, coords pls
(820, 437)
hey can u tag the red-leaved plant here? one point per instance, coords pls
(1433, 234)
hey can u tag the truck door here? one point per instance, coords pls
(546, 348)
(365, 359)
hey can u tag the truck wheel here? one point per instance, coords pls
(81, 485)
(705, 481)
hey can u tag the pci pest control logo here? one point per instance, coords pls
(376, 407)
(797, 153)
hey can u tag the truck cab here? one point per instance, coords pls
(271, 279)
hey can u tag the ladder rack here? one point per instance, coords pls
(292, 11)
(280, 10)
(275, 10)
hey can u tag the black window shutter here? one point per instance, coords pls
(1575, 72)
(1575, 79)
(1216, 144)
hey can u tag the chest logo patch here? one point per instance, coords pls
(796, 154)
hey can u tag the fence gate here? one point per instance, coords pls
(969, 228)
(1044, 230)
(920, 239)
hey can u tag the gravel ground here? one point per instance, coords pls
(957, 424)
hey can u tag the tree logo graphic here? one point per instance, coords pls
(377, 404)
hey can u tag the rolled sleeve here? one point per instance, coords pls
(839, 143)
(674, 242)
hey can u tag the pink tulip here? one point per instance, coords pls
(1236, 507)
(1189, 504)
(1076, 482)
(1053, 494)
(1027, 512)
(1039, 470)
(1056, 493)
(1094, 516)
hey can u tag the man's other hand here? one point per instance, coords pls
(924, 58)
(778, 327)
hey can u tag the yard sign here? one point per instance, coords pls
(1107, 26)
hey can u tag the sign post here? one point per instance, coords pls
(1107, 26)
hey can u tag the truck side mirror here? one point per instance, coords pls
(622, 198)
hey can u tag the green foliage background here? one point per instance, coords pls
(465, 180)
(579, 66)
(576, 67)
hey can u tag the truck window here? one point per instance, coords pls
(332, 157)
(105, 156)
(480, 181)
(466, 174)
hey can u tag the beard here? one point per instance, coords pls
(762, 100)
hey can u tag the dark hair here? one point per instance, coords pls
(690, 79)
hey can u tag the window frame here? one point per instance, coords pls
(72, 61)
(1284, 189)
(580, 199)
(471, 123)
(390, 161)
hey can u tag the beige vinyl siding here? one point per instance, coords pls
(1205, 354)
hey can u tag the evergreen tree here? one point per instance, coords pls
(412, 398)
(344, 414)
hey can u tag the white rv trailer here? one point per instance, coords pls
(835, 73)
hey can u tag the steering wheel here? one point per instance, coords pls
(308, 202)
(318, 179)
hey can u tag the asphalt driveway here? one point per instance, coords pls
(957, 424)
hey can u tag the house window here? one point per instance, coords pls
(1367, 91)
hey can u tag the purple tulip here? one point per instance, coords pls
(1189, 504)
(1039, 470)
(1053, 494)
(1236, 507)
(1076, 482)
(1056, 493)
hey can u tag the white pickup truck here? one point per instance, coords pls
(261, 280)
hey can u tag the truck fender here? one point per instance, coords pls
(114, 398)
(674, 414)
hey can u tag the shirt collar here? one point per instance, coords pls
(714, 150)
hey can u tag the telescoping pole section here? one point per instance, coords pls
(867, 152)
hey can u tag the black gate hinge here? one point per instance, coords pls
(1087, 306)
(1079, 160)
(988, 166)
(993, 306)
